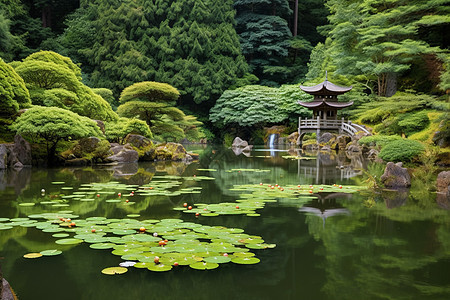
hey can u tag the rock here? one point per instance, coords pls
(194, 156)
(87, 145)
(292, 138)
(325, 138)
(138, 141)
(77, 162)
(395, 176)
(443, 182)
(101, 125)
(116, 148)
(3, 157)
(170, 151)
(248, 148)
(22, 149)
(6, 291)
(310, 147)
(353, 148)
(373, 154)
(149, 155)
(325, 148)
(239, 143)
(342, 141)
(125, 155)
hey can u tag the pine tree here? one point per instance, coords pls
(265, 37)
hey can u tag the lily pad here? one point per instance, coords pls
(51, 252)
(246, 260)
(217, 259)
(69, 241)
(204, 265)
(160, 267)
(33, 255)
(101, 246)
(114, 270)
(27, 204)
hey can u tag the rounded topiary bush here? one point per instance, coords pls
(401, 150)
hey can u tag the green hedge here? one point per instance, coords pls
(401, 150)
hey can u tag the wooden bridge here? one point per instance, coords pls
(318, 124)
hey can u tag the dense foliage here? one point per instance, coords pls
(54, 80)
(257, 106)
(401, 150)
(13, 93)
(153, 102)
(50, 125)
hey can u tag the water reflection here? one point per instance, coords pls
(332, 247)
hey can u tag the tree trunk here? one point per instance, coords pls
(391, 84)
(295, 19)
(46, 16)
(51, 154)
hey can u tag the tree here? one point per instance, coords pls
(264, 35)
(189, 44)
(153, 102)
(257, 106)
(13, 92)
(383, 41)
(117, 131)
(50, 125)
(47, 72)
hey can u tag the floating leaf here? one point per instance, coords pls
(101, 246)
(160, 267)
(245, 260)
(204, 265)
(33, 255)
(69, 241)
(217, 259)
(51, 252)
(114, 270)
(27, 204)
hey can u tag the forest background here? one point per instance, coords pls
(236, 64)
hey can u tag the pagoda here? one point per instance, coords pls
(325, 104)
(325, 107)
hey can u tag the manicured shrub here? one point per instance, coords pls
(378, 140)
(401, 150)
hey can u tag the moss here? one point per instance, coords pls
(426, 135)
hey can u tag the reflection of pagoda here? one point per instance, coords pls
(325, 107)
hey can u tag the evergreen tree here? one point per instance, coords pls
(50, 125)
(380, 40)
(265, 37)
(153, 103)
(13, 92)
(189, 44)
(47, 72)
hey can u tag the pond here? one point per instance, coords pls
(342, 242)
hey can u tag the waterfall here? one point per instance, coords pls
(271, 140)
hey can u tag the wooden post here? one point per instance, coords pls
(318, 129)
(299, 130)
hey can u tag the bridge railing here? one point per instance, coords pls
(318, 123)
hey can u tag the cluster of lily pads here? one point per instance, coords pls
(255, 196)
(156, 245)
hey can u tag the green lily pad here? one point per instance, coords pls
(217, 259)
(69, 241)
(246, 260)
(160, 267)
(101, 246)
(58, 182)
(114, 270)
(27, 204)
(51, 252)
(204, 265)
(60, 235)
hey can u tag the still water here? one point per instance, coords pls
(338, 246)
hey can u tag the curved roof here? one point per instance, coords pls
(315, 104)
(326, 88)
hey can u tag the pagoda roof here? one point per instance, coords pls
(326, 88)
(323, 103)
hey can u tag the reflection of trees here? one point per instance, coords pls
(385, 253)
